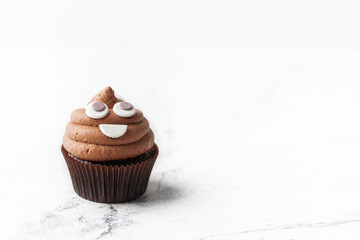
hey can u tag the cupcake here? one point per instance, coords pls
(109, 149)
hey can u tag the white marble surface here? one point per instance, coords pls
(255, 107)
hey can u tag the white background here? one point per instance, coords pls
(254, 104)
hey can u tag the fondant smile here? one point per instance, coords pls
(113, 130)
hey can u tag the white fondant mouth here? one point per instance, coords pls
(113, 130)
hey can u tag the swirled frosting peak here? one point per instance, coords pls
(107, 129)
(106, 96)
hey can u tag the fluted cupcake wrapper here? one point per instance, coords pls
(110, 183)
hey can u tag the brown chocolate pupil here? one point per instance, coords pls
(98, 106)
(125, 106)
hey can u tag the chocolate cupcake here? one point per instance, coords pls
(109, 149)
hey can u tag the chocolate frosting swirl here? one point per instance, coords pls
(84, 139)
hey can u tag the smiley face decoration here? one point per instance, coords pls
(98, 110)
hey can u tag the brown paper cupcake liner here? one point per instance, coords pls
(111, 182)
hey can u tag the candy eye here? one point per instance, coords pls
(96, 110)
(124, 109)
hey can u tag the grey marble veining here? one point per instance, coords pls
(284, 227)
(99, 221)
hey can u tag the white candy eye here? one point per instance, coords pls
(96, 110)
(124, 109)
